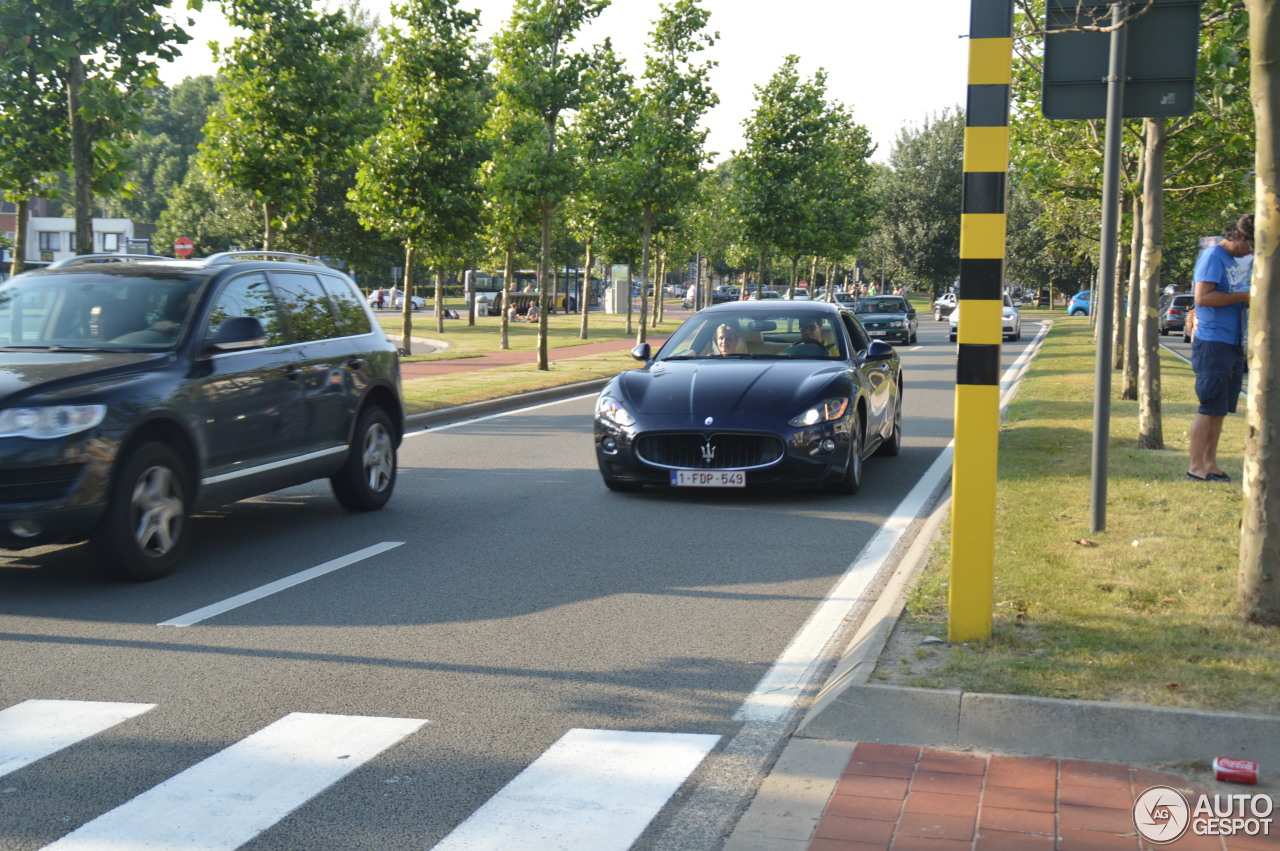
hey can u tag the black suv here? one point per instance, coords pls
(136, 391)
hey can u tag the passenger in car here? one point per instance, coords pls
(727, 342)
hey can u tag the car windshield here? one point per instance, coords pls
(107, 309)
(881, 304)
(751, 335)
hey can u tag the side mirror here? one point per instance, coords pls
(238, 333)
(641, 352)
(879, 350)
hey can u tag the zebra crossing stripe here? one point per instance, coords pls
(596, 789)
(34, 729)
(231, 797)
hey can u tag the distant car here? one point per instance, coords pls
(1173, 314)
(751, 294)
(1081, 304)
(384, 296)
(136, 394)
(783, 410)
(1010, 320)
(888, 317)
(846, 300)
(943, 306)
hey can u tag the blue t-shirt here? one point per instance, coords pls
(1229, 275)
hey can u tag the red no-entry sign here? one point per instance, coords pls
(183, 246)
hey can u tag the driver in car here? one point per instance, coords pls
(810, 343)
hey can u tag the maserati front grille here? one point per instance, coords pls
(714, 451)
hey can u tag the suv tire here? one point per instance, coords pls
(368, 477)
(145, 530)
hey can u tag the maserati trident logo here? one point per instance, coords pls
(708, 452)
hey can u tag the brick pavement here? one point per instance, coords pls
(898, 798)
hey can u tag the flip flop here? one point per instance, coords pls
(1218, 477)
(1193, 477)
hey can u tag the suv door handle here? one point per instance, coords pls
(292, 372)
(355, 364)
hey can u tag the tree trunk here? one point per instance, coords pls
(585, 303)
(1259, 600)
(544, 272)
(20, 236)
(645, 235)
(471, 307)
(795, 271)
(1130, 389)
(659, 284)
(269, 228)
(760, 273)
(1118, 311)
(627, 295)
(1150, 426)
(406, 325)
(508, 282)
(439, 300)
(81, 157)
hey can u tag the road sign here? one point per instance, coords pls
(1160, 66)
(183, 246)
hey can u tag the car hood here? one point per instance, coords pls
(24, 374)
(869, 318)
(729, 386)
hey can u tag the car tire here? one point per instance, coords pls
(852, 481)
(952, 337)
(1077, 312)
(368, 477)
(937, 316)
(915, 338)
(146, 528)
(893, 445)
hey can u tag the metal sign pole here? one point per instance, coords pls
(1107, 261)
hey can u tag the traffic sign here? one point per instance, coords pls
(183, 246)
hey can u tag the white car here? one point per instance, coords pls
(1010, 320)
(943, 306)
(415, 302)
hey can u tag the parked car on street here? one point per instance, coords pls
(889, 317)
(1173, 313)
(134, 394)
(1081, 304)
(382, 299)
(943, 305)
(1010, 320)
(796, 394)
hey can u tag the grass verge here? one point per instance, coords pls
(1141, 612)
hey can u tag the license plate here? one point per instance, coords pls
(877, 333)
(708, 478)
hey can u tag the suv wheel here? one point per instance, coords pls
(367, 479)
(145, 531)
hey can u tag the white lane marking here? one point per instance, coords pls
(33, 729)
(226, 800)
(475, 420)
(279, 585)
(783, 684)
(596, 789)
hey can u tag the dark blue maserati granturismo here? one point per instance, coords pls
(779, 393)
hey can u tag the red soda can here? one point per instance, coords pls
(1235, 770)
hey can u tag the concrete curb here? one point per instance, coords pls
(473, 410)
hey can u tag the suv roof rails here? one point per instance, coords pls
(85, 259)
(225, 257)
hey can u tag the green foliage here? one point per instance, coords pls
(291, 109)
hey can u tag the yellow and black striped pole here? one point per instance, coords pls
(982, 249)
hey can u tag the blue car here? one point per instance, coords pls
(1081, 303)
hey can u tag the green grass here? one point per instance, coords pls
(1143, 611)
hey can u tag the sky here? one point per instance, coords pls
(894, 62)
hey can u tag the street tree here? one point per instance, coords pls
(538, 74)
(784, 146)
(666, 154)
(104, 59)
(1259, 598)
(290, 109)
(419, 178)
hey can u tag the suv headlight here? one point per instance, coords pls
(608, 408)
(828, 410)
(51, 422)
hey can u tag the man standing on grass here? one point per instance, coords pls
(1217, 352)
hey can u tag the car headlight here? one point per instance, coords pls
(828, 410)
(51, 422)
(897, 323)
(608, 408)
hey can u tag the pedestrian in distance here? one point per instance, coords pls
(1218, 351)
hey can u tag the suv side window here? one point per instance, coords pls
(348, 304)
(307, 305)
(247, 295)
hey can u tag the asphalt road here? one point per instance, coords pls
(504, 614)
